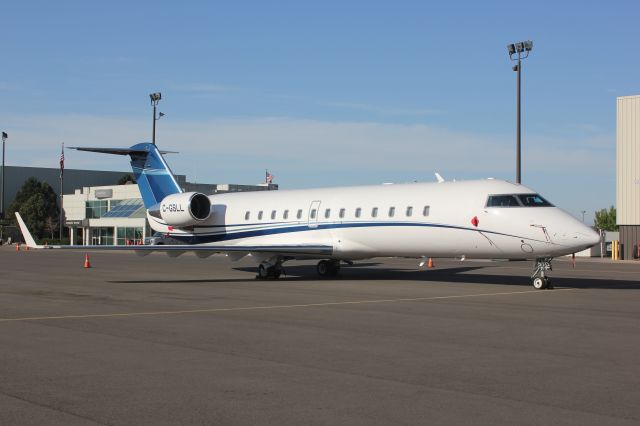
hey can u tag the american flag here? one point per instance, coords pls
(62, 160)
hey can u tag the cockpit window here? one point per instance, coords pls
(502, 201)
(533, 200)
(517, 200)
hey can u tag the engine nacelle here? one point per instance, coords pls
(186, 209)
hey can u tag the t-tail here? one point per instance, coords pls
(153, 175)
(168, 207)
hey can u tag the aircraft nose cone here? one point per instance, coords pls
(592, 238)
(588, 237)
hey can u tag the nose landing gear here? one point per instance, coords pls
(539, 280)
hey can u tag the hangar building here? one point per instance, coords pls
(628, 174)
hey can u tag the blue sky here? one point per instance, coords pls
(326, 93)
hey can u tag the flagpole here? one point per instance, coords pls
(60, 217)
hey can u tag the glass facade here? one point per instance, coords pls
(102, 236)
(124, 208)
(114, 208)
(129, 236)
(95, 209)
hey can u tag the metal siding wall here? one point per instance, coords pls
(629, 237)
(628, 160)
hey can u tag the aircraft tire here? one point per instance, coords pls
(539, 283)
(323, 268)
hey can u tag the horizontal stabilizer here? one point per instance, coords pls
(117, 151)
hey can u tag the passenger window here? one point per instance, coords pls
(260, 215)
(273, 214)
(392, 211)
(247, 215)
(341, 214)
(358, 212)
(327, 213)
(502, 201)
(425, 211)
(299, 215)
(374, 212)
(313, 214)
(409, 211)
(285, 215)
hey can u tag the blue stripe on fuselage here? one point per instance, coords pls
(228, 236)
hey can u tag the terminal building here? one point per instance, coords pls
(628, 175)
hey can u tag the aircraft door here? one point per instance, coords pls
(314, 213)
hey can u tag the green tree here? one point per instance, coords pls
(606, 219)
(36, 202)
(126, 178)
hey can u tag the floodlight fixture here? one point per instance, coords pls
(155, 97)
(4, 135)
(521, 48)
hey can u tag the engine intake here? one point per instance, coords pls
(185, 209)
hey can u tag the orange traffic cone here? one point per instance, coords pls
(18, 247)
(87, 264)
(430, 263)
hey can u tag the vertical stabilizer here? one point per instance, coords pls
(153, 175)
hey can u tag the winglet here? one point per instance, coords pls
(440, 178)
(26, 234)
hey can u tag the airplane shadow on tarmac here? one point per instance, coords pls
(368, 272)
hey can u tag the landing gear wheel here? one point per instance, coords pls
(323, 268)
(539, 283)
(269, 272)
(328, 268)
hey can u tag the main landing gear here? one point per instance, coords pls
(268, 271)
(539, 280)
(328, 268)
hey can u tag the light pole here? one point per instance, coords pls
(155, 98)
(583, 212)
(522, 49)
(4, 138)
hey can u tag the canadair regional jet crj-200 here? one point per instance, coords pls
(480, 219)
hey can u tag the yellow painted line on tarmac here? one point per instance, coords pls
(256, 308)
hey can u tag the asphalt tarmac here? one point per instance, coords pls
(153, 340)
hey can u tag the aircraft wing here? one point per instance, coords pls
(200, 249)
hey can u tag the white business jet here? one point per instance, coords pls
(480, 219)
